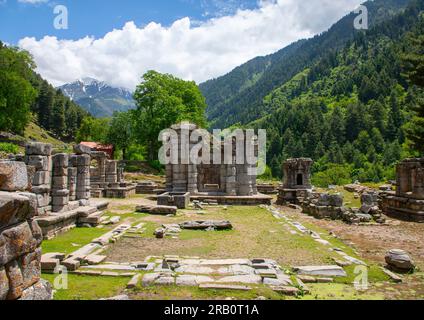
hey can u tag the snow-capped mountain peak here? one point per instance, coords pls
(98, 97)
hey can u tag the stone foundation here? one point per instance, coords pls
(20, 241)
(179, 200)
(407, 203)
(297, 181)
(107, 178)
(292, 196)
(61, 188)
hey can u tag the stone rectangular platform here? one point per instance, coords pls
(235, 200)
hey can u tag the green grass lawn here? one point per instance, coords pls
(256, 234)
(89, 287)
(72, 240)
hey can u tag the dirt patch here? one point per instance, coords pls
(372, 242)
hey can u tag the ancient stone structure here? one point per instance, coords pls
(39, 156)
(330, 206)
(107, 178)
(324, 206)
(148, 187)
(20, 237)
(179, 200)
(297, 181)
(60, 185)
(407, 202)
(226, 183)
(267, 188)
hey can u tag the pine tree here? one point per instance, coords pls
(415, 67)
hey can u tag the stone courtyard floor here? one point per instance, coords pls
(282, 235)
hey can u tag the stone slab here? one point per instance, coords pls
(331, 271)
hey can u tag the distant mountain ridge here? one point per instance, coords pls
(98, 97)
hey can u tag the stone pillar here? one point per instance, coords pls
(179, 174)
(169, 178)
(244, 181)
(111, 171)
(231, 180)
(121, 177)
(403, 179)
(192, 186)
(254, 184)
(83, 179)
(102, 170)
(60, 192)
(419, 184)
(38, 155)
(72, 183)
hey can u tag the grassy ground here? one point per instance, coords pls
(88, 287)
(72, 240)
(256, 234)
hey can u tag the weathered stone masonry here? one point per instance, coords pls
(407, 202)
(61, 187)
(20, 237)
(297, 181)
(226, 183)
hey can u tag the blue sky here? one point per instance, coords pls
(97, 17)
(117, 41)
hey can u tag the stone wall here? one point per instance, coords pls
(296, 181)
(230, 179)
(20, 236)
(407, 203)
(107, 178)
(330, 206)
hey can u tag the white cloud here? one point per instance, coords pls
(32, 1)
(196, 52)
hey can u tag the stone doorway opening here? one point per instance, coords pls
(300, 179)
(210, 179)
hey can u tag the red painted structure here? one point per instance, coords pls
(109, 149)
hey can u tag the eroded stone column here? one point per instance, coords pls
(231, 180)
(111, 169)
(192, 179)
(72, 183)
(169, 178)
(60, 192)
(38, 155)
(244, 181)
(83, 179)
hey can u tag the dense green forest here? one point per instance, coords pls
(349, 109)
(25, 96)
(237, 97)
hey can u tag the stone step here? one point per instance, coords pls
(325, 271)
(86, 211)
(93, 218)
(224, 287)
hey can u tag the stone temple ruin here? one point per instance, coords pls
(107, 178)
(60, 184)
(407, 202)
(225, 183)
(297, 181)
(20, 235)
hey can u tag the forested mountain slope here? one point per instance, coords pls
(237, 97)
(347, 110)
(25, 96)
